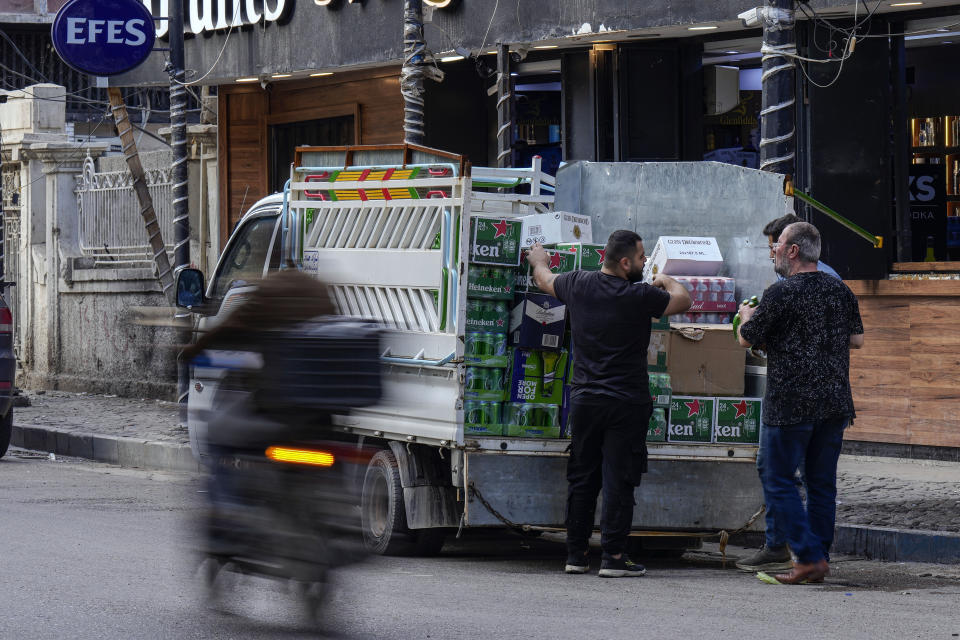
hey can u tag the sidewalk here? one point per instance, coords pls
(888, 508)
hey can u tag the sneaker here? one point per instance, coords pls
(622, 567)
(577, 563)
(767, 559)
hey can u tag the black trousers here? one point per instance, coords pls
(608, 450)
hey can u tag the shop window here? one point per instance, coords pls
(538, 114)
(285, 137)
(733, 136)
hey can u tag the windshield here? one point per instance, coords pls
(246, 256)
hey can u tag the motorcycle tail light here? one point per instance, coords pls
(301, 456)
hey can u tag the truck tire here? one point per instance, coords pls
(383, 514)
(6, 429)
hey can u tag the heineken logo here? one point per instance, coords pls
(602, 253)
(483, 323)
(694, 408)
(741, 408)
(501, 228)
(486, 251)
(554, 261)
(681, 430)
(728, 431)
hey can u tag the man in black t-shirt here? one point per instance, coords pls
(610, 316)
(808, 323)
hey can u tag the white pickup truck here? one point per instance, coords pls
(388, 231)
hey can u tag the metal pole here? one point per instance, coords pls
(777, 125)
(901, 144)
(411, 75)
(178, 131)
(504, 108)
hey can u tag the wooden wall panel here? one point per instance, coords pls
(906, 379)
(244, 113)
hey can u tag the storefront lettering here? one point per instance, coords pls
(922, 189)
(208, 16)
(204, 16)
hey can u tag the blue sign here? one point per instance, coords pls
(103, 37)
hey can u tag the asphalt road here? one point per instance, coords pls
(93, 551)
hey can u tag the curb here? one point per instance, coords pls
(125, 452)
(897, 545)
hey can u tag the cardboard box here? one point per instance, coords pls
(490, 283)
(556, 227)
(657, 351)
(538, 376)
(657, 429)
(488, 315)
(691, 419)
(738, 420)
(710, 294)
(486, 349)
(517, 431)
(705, 360)
(686, 256)
(495, 241)
(560, 262)
(589, 257)
(538, 322)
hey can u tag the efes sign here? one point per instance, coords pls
(103, 37)
(207, 16)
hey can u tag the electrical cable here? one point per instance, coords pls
(219, 55)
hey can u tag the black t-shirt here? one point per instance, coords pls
(610, 326)
(805, 323)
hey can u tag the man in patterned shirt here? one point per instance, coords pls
(808, 322)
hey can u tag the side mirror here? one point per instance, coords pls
(190, 288)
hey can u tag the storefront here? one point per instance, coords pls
(877, 136)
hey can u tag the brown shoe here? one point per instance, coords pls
(805, 573)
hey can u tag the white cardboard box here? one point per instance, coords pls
(684, 256)
(554, 227)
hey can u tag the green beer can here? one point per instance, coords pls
(520, 414)
(476, 379)
(494, 379)
(480, 344)
(473, 412)
(490, 412)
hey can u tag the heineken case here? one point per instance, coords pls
(560, 262)
(495, 241)
(691, 419)
(483, 383)
(657, 428)
(660, 391)
(486, 349)
(537, 322)
(738, 420)
(588, 257)
(488, 315)
(490, 283)
(482, 417)
(538, 376)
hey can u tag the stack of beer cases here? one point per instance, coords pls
(538, 402)
(491, 274)
(714, 419)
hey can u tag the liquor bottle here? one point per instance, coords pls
(931, 132)
(930, 257)
(956, 177)
(956, 131)
(922, 134)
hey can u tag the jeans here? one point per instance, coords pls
(774, 538)
(808, 531)
(608, 450)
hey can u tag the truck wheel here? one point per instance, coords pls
(382, 513)
(6, 429)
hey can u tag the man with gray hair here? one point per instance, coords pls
(808, 322)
